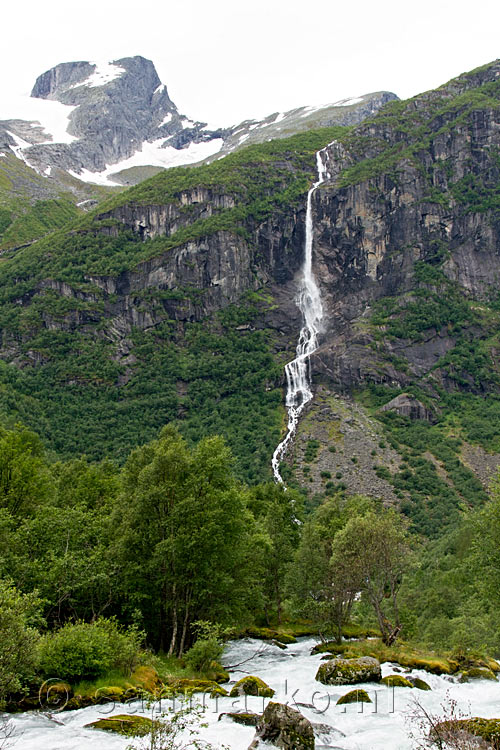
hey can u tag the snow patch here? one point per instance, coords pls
(47, 171)
(152, 154)
(348, 102)
(166, 119)
(53, 117)
(18, 149)
(104, 73)
(279, 117)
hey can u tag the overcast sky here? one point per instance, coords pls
(225, 60)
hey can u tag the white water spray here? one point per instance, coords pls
(297, 372)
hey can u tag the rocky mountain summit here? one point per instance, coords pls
(106, 122)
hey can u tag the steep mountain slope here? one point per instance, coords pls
(175, 300)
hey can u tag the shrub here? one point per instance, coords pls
(17, 638)
(87, 650)
(203, 654)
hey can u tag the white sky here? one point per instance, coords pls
(225, 60)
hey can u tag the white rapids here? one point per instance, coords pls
(291, 673)
(299, 391)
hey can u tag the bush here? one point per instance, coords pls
(18, 638)
(203, 654)
(88, 650)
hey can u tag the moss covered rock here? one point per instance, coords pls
(251, 686)
(217, 673)
(126, 725)
(329, 647)
(110, 694)
(147, 679)
(284, 727)
(247, 719)
(433, 665)
(268, 634)
(349, 671)
(175, 685)
(478, 673)
(53, 695)
(396, 680)
(354, 696)
(419, 684)
(486, 729)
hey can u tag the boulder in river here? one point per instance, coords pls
(349, 671)
(251, 686)
(283, 727)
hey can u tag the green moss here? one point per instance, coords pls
(269, 634)
(186, 686)
(478, 673)
(251, 686)
(123, 724)
(354, 696)
(396, 680)
(419, 684)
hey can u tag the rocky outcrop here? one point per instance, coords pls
(283, 727)
(408, 406)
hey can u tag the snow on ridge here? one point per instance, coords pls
(52, 116)
(348, 102)
(152, 154)
(18, 149)
(165, 120)
(104, 73)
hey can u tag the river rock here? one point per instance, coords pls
(283, 727)
(349, 671)
(251, 686)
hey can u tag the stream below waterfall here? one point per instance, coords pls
(291, 673)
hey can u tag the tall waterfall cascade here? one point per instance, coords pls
(298, 375)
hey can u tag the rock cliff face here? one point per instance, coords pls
(434, 205)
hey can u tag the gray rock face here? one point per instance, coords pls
(283, 727)
(408, 406)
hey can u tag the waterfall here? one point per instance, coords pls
(298, 392)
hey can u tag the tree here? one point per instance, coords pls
(182, 541)
(322, 584)
(24, 478)
(278, 513)
(18, 638)
(374, 548)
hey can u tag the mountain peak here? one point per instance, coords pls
(67, 82)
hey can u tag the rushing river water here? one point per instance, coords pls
(291, 672)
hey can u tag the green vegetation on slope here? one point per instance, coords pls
(211, 375)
